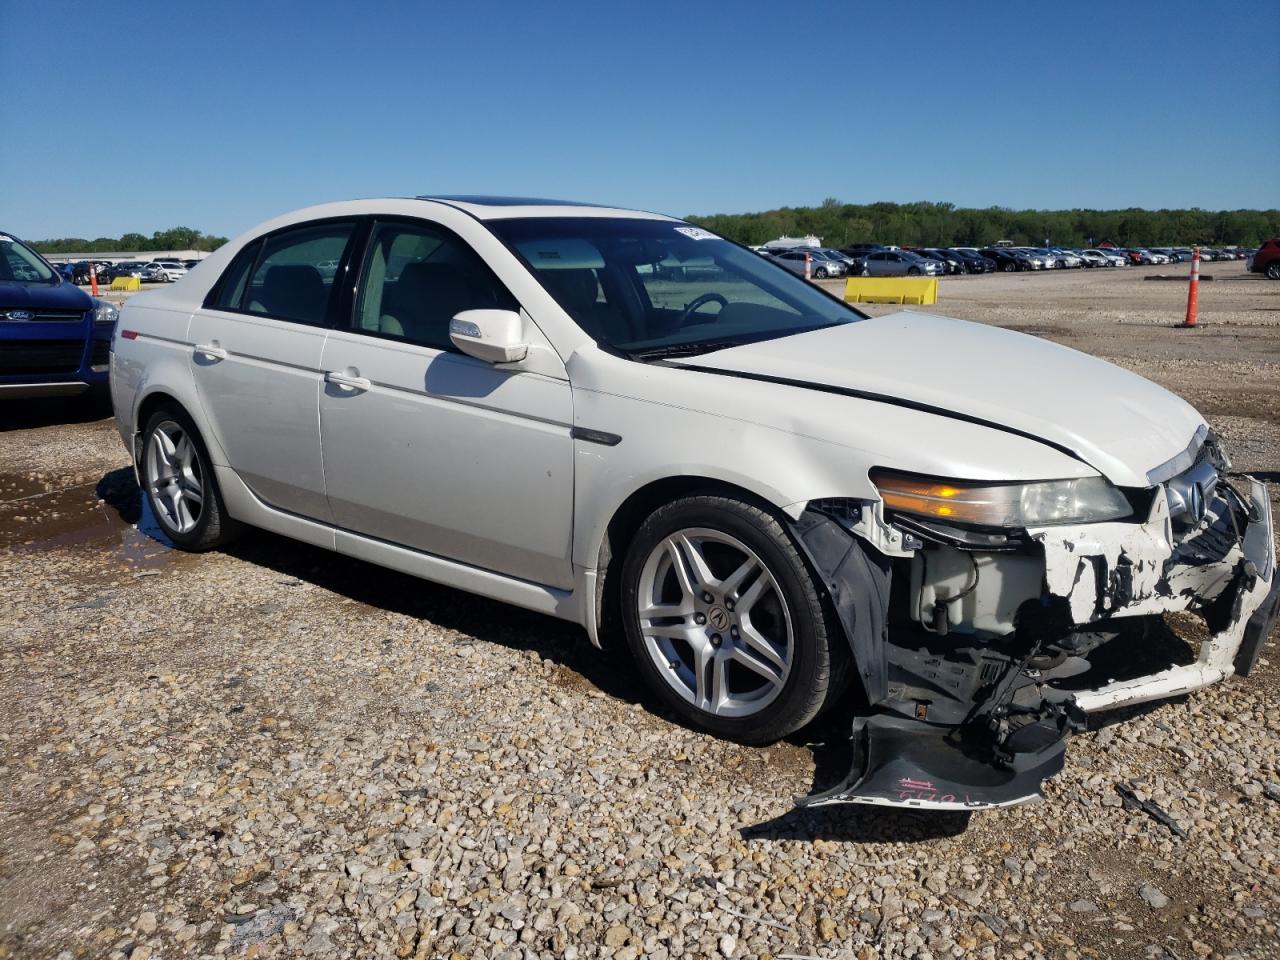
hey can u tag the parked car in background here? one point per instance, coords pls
(54, 338)
(1266, 260)
(973, 261)
(834, 263)
(780, 503)
(861, 249)
(952, 263)
(820, 265)
(1048, 257)
(1006, 259)
(173, 269)
(900, 263)
(1065, 259)
(189, 263)
(128, 268)
(842, 257)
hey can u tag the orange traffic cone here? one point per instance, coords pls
(808, 266)
(93, 279)
(1193, 291)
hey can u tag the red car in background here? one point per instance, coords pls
(1267, 260)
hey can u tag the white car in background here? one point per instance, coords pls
(765, 497)
(173, 269)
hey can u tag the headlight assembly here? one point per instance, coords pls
(104, 314)
(1085, 500)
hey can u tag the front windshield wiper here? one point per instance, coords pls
(683, 349)
(706, 346)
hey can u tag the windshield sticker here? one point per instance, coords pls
(696, 233)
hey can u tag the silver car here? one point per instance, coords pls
(900, 263)
(820, 265)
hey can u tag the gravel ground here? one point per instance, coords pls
(276, 751)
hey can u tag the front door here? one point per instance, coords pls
(429, 448)
(257, 347)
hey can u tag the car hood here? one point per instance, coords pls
(1116, 421)
(64, 296)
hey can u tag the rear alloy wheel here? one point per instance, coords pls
(725, 623)
(1273, 270)
(178, 483)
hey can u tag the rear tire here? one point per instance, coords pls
(1273, 270)
(759, 659)
(179, 484)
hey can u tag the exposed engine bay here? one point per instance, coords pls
(979, 651)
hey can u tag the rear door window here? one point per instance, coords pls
(292, 279)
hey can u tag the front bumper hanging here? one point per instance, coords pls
(1010, 735)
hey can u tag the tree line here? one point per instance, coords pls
(177, 238)
(946, 225)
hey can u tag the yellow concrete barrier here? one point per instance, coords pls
(126, 283)
(891, 290)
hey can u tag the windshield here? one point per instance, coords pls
(20, 263)
(650, 288)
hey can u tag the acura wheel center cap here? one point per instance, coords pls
(719, 618)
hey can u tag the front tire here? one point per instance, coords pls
(179, 483)
(725, 623)
(1273, 270)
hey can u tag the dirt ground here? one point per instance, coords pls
(274, 751)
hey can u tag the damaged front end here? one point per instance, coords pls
(979, 649)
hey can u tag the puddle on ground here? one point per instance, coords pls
(19, 486)
(109, 515)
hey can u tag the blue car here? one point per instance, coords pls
(55, 340)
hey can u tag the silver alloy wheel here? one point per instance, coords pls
(715, 623)
(173, 477)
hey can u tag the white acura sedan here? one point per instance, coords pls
(963, 534)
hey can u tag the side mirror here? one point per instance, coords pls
(493, 336)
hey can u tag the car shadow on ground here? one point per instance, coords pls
(55, 411)
(566, 645)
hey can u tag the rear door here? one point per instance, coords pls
(258, 341)
(432, 449)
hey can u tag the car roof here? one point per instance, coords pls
(508, 208)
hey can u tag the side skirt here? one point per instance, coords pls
(245, 506)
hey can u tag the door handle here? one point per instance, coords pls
(211, 350)
(347, 381)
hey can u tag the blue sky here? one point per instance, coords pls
(141, 118)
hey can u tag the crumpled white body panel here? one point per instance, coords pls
(1071, 571)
